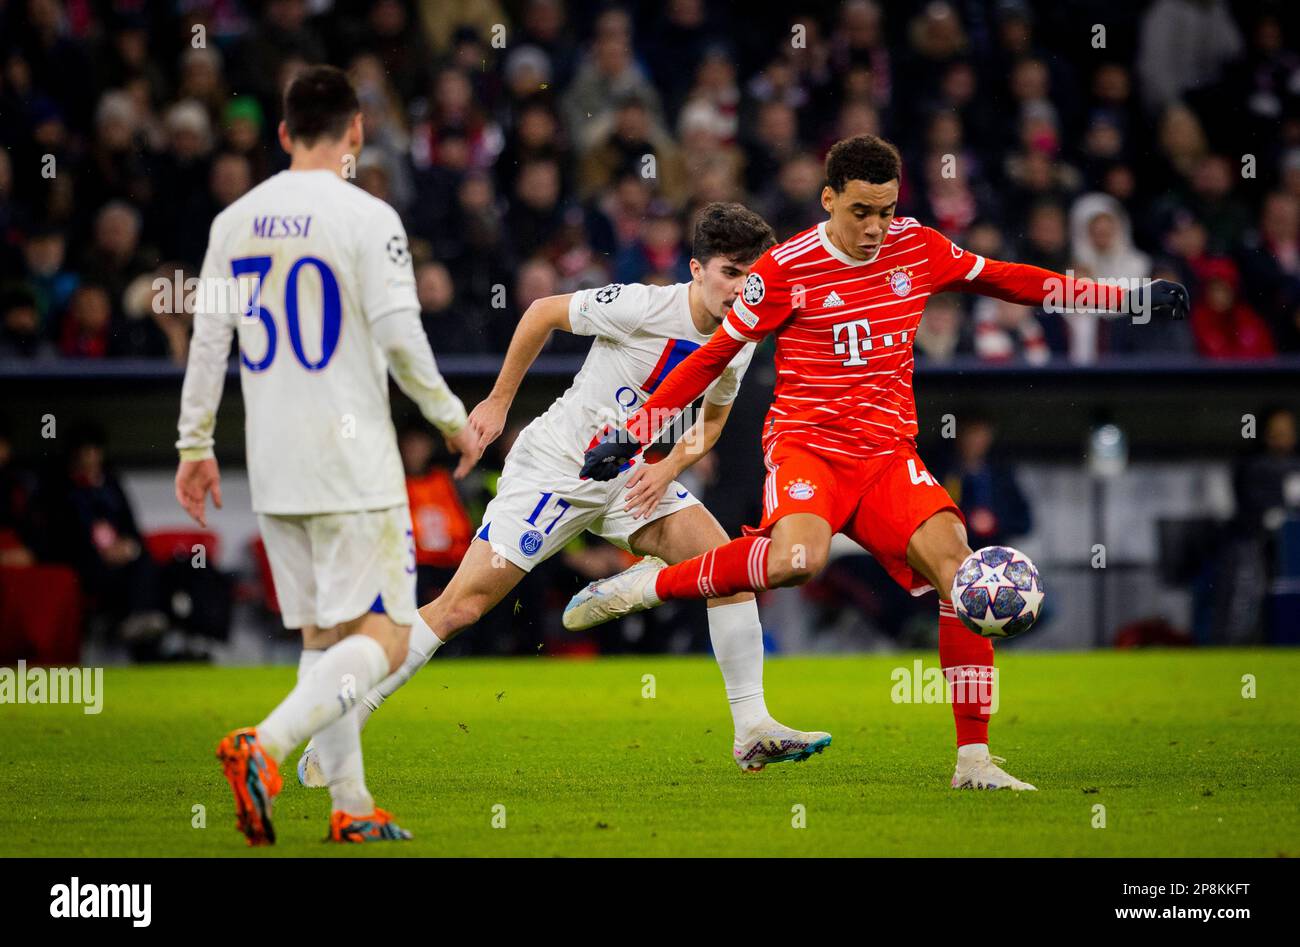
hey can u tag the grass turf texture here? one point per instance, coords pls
(585, 765)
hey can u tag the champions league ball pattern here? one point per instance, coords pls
(997, 592)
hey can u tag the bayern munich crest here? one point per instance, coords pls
(801, 489)
(900, 280)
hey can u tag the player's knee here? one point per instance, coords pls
(795, 564)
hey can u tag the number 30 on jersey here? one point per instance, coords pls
(331, 310)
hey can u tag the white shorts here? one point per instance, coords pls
(537, 510)
(333, 567)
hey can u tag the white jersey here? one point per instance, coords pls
(325, 262)
(642, 333)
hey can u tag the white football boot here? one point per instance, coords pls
(309, 772)
(632, 590)
(983, 772)
(772, 742)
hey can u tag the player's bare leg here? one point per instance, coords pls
(736, 634)
(936, 550)
(795, 552)
(481, 581)
(363, 651)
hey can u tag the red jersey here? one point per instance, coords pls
(844, 333)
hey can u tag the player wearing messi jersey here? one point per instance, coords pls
(314, 276)
(641, 332)
(844, 300)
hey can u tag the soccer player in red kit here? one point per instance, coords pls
(844, 300)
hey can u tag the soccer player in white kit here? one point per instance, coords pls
(641, 332)
(325, 307)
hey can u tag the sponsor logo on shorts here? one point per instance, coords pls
(801, 489)
(530, 542)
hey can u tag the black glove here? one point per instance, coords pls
(611, 452)
(1160, 297)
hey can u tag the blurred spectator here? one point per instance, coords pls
(634, 144)
(984, 489)
(441, 528)
(535, 213)
(939, 333)
(51, 284)
(1101, 246)
(1266, 485)
(1184, 45)
(86, 325)
(793, 202)
(451, 324)
(86, 521)
(1224, 325)
(20, 326)
(1006, 332)
(608, 76)
(1271, 263)
(116, 256)
(17, 487)
(659, 256)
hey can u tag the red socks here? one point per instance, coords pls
(738, 566)
(967, 660)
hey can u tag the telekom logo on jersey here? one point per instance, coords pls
(854, 338)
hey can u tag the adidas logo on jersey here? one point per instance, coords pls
(833, 300)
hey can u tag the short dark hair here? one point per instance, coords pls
(319, 103)
(864, 158)
(730, 230)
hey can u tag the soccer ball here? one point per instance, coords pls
(997, 592)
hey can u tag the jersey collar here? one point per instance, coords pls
(844, 257)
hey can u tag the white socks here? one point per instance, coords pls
(737, 637)
(339, 748)
(971, 752)
(307, 660)
(423, 645)
(324, 694)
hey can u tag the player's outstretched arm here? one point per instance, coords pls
(539, 320)
(683, 385)
(401, 338)
(1028, 285)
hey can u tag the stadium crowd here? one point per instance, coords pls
(539, 146)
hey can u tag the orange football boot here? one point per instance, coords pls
(255, 779)
(377, 827)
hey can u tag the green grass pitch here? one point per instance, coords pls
(583, 764)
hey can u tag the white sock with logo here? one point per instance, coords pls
(326, 693)
(424, 643)
(737, 636)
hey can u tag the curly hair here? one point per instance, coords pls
(864, 158)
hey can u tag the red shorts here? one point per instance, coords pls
(878, 502)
